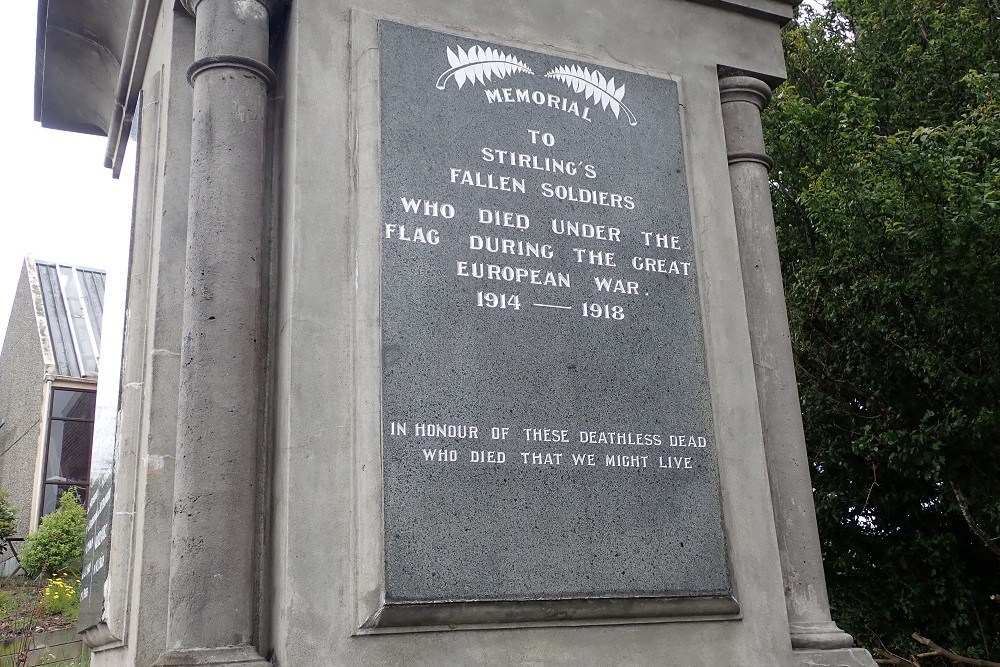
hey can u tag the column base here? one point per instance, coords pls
(824, 635)
(227, 656)
(841, 657)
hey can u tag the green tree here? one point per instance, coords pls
(886, 191)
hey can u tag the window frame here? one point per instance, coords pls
(46, 448)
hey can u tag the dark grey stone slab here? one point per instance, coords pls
(543, 438)
(98, 543)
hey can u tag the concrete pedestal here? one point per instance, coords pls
(295, 523)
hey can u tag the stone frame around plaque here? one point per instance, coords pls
(372, 614)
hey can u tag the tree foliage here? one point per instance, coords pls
(886, 139)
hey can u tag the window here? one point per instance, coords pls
(67, 455)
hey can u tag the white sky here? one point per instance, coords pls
(59, 202)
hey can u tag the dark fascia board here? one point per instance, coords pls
(779, 11)
(138, 41)
(43, 7)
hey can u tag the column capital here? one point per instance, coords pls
(741, 88)
(743, 98)
(273, 7)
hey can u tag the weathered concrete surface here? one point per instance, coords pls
(212, 566)
(839, 657)
(327, 540)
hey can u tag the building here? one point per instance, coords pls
(48, 384)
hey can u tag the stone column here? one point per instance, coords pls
(213, 562)
(809, 619)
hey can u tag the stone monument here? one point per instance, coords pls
(455, 335)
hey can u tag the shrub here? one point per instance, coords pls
(58, 542)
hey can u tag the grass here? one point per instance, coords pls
(29, 607)
(27, 604)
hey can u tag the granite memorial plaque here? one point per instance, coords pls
(547, 425)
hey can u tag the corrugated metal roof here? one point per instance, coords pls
(74, 306)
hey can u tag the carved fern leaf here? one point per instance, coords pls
(479, 64)
(594, 86)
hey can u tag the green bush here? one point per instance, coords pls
(58, 542)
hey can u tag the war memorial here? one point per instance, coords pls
(455, 336)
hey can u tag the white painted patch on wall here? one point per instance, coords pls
(156, 462)
(250, 10)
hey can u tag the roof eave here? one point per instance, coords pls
(78, 60)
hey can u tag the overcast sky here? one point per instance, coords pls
(59, 202)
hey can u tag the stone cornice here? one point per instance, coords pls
(779, 11)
